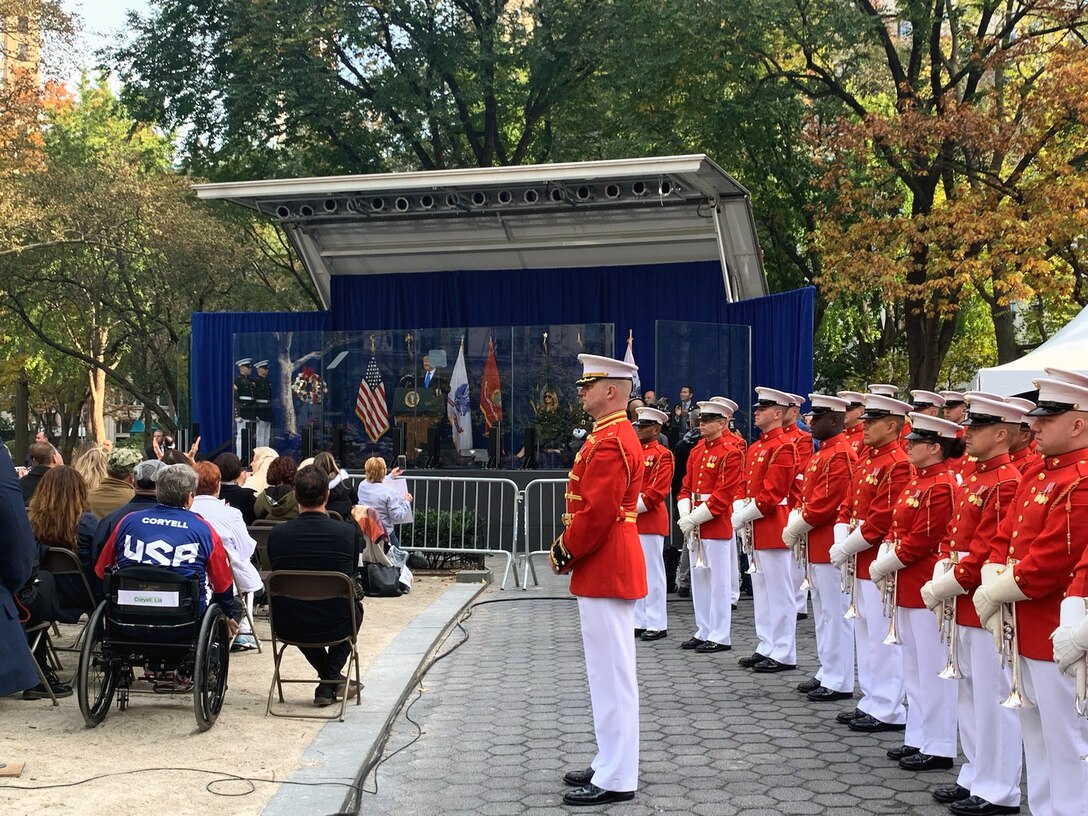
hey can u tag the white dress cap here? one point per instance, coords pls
(884, 389)
(1059, 396)
(726, 403)
(599, 368)
(822, 403)
(262, 364)
(244, 362)
(878, 406)
(1026, 404)
(772, 396)
(713, 408)
(647, 416)
(920, 397)
(928, 428)
(985, 409)
(952, 397)
(1067, 375)
(852, 397)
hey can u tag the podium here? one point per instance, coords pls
(416, 411)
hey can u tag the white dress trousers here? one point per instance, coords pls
(1055, 739)
(880, 667)
(711, 590)
(239, 426)
(931, 712)
(650, 612)
(264, 433)
(989, 732)
(607, 624)
(775, 600)
(834, 634)
(801, 595)
(734, 570)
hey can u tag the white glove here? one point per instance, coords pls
(684, 524)
(796, 526)
(683, 507)
(839, 556)
(695, 518)
(1071, 637)
(747, 513)
(642, 508)
(941, 589)
(855, 542)
(840, 531)
(885, 564)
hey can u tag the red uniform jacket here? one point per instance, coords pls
(657, 464)
(879, 478)
(920, 520)
(903, 434)
(802, 452)
(602, 505)
(769, 471)
(855, 436)
(1045, 530)
(984, 498)
(711, 477)
(1025, 458)
(824, 489)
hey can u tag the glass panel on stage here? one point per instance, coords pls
(500, 397)
(713, 359)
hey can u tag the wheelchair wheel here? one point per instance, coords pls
(96, 678)
(210, 667)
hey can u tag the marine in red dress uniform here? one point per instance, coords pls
(1039, 545)
(825, 487)
(920, 521)
(705, 502)
(651, 615)
(769, 472)
(854, 428)
(989, 733)
(600, 547)
(880, 477)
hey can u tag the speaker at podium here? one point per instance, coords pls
(416, 401)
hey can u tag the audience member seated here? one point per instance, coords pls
(257, 480)
(232, 489)
(143, 480)
(341, 496)
(313, 541)
(228, 522)
(115, 490)
(16, 565)
(42, 457)
(172, 537)
(277, 501)
(90, 462)
(392, 506)
(59, 518)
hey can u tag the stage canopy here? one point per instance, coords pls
(1067, 349)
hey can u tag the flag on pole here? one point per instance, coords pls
(491, 389)
(457, 406)
(629, 357)
(370, 404)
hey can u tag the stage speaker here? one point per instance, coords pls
(398, 440)
(307, 441)
(247, 442)
(434, 447)
(494, 446)
(528, 444)
(341, 432)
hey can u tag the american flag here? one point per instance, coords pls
(370, 404)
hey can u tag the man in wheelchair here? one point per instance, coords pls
(160, 564)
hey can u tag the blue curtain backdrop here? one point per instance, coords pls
(632, 298)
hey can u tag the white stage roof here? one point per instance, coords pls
(604, 213)
(1067, 349)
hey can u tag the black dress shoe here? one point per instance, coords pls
(770, 665)
(592, 795)
(847, 717)
(802, 616)
(710, 646)
(638, 633)
(683, 592)
(902, 751)
(947, 794)
(977, 806)
(692, 643)
(655, 634)
(748, 662)
(871, 725)
(806, 686)
(924, 762)
(826, 695)
(578, 778)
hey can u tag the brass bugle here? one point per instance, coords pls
(806, 582)
(852, 571)
(949, 632)
(1010, 645)
(891, 609)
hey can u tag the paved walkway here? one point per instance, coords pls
(508, 712)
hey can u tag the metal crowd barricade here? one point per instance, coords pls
(436, 527)
(543, 505)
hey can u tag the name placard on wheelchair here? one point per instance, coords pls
(163, 600)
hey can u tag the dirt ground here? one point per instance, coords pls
(159, 732)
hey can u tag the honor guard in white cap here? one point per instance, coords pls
(989, 733)
(703, 510)
(954, 405)
(802, 448)
(926, 402)
(884, 389)
(881, 475)
(244, 406)
(601, 549)
(1039, 544)
(651, 615)
(854, 427)
(921, 519)
(262, 398)
(810, 534)
(731, 432)
(759, 517)
(1023, 451)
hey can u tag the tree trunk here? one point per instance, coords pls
(286, 367)
(1005, 333)
(96, 380)
(22, 417)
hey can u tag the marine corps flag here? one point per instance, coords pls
(490, 388)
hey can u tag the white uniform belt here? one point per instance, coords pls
(263, 402)
(783, 500)
(245, 399)
(703, 496)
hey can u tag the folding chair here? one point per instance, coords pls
(60, 561)
(34, 634)
(303, 585)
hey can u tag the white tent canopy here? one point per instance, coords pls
(1067, 349)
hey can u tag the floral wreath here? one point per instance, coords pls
(308, 387)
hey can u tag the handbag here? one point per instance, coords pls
(381, 580)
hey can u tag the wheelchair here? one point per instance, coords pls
(150, 621)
